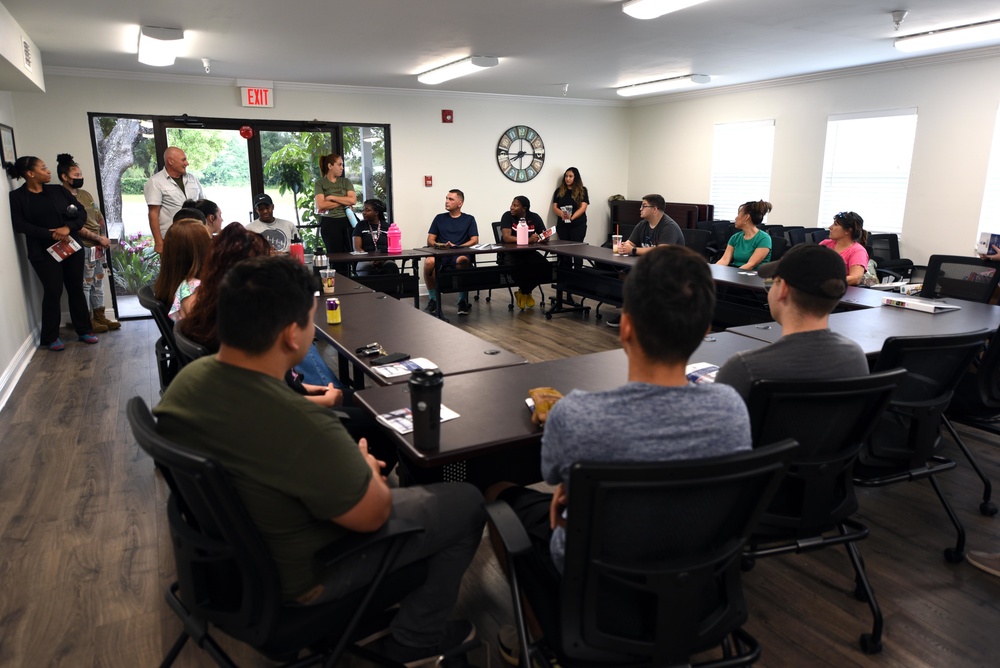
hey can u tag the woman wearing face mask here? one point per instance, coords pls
(333, 193)
(93, 238)
(45, 215)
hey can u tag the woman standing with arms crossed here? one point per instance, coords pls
(94, 241)
(570, 202)
(750, 246)
(46, 214)
(334, 192)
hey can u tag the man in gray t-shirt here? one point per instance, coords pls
(669, 299)
(808, 283)
(278, 232)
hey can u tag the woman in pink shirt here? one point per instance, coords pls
(847, 237)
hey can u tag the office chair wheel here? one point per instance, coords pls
(988, 508)
(548, 316)
(747, 564)
(598, 317)
(870, 646)
(953, 556)
(510, 307)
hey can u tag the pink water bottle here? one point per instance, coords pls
(522, 233)
(395, 239)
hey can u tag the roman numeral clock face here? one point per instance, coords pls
(520, 153)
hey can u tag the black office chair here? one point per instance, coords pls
(720, 238)
(187, 350)
(905, 444)
(226, 578)
(652, 567)
(977, 397)
(795, 234)
(168, 362)
(816, 236)
(812, 510)
(697, 240)
(778, 247)
(970, 278)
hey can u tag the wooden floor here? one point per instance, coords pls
(85, 554)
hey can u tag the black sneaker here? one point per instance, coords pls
(464, 308)
(456, 634)
(614, 322)
(432, 306)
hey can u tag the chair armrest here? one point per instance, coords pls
(509, 528)
(352, 544)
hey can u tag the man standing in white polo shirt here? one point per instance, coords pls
(166, 192)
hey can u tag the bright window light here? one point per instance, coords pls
(989, 216)
(866, 167)
(741, 165)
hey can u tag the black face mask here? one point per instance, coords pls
(76, 183)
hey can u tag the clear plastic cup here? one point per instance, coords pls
(328, 278)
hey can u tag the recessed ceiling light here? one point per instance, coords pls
(159, 46)
(986, 31)
(651, 9)
(663, 85)
(459, 68)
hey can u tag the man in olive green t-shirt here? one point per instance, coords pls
(303, 480)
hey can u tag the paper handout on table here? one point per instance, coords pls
(402, 420)
(404, 367)
(701, 372)
(918, 304)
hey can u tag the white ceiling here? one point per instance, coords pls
(542, 44)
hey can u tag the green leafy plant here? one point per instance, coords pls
(135, 263)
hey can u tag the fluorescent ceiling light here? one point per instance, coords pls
(959, 36)
(663, 85)
(651, 9)
(159, 46)
(459, 68)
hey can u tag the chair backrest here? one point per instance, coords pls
(159, 311)
(910, 430)
(696, 240)
(189, 350)
(778, 247)
(961, 277)
(224, 570)
(830, 419)
(816, 236)
(795, 235)
(885, 246)
(652, 567)
(497, 233)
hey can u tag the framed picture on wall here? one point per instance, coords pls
(7, 150)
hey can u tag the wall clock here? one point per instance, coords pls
(520, 153)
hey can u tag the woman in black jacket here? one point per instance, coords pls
(46, 215)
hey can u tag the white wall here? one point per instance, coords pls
(20, 292)
(671, 146)
(590, 136)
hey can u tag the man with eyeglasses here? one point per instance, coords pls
(655, 229)
(803, 289)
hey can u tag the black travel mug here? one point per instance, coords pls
(425, 402)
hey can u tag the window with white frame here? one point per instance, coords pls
(989, 215)
(866, 167)
(741, 165)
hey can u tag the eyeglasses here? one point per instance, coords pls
(646, 206)
(768, 282)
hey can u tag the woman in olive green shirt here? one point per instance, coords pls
(334, 192)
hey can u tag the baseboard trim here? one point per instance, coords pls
(13, 372)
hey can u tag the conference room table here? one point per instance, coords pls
(370, 317)
(870, 327)
(493, 416)
(346, 287)
(404, 257)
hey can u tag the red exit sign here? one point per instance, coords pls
(258, 97)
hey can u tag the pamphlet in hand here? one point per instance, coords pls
(986, 243)
(544, 236)
(918, 304)
(402, 420)
(61, 250)
(404, 367)
(701, 372)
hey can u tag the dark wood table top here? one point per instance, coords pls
(596, 254)
(403, 257)
(490, 404)
(872, 326)
(492, 413)
(736, 276)
(374, 317)
(345, 287)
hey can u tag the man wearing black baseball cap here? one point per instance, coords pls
(803, 288)
(278, 231)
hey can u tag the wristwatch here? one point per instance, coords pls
(633, 251)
